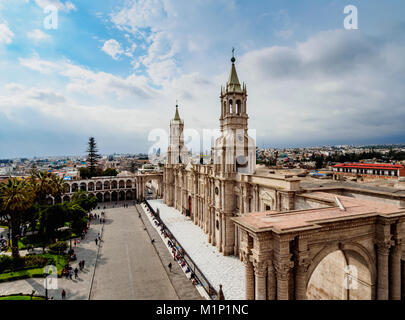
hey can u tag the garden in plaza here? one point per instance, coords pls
(37, 231)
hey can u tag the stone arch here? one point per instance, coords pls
(66, 198)
(67, 186)
(107, 197)
(99, 185)
(114, 184)
(224, 111)
(99, 196)
(238, 107)
(230, 106)
(58, 199)
(121, 195)
(90, 186)
(129, 184)
(114, 196)
(121, 184)
(129, 195)
(83, 186)
(338, 259)
(75, 187)
(107, 185)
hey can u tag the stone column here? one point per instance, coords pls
(213, 238)
(382, 270)
(283, 276)
(260, 269)
(395, 271)
(403, 278)
(301, 281)
(271, 281)
(249, 277)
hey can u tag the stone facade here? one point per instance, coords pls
(211, 194)
(295, 243)
(111, 189)
(318, 254)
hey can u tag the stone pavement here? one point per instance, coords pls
(128, 266)
(183, 286)
(76, 289)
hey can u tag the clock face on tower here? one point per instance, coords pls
(241, 161)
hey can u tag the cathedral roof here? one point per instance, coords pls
(177, 116)
(233, 84)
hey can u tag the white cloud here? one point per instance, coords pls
(6, 35)
(336, 86)
(38, 35)
(63, 6)
(85, 81)
(139, 14)
(113, 48)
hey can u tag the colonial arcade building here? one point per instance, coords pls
(119, 188)
(295, 243)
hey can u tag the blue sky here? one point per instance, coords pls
(114, 69)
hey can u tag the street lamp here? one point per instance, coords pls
(46, 275)
(70, 237)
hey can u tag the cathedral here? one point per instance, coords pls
(295, 241)
(211, 194)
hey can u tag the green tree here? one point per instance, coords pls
(16, 198)
(84, 172)
(85, 200)
(110, 172)
(93, 156)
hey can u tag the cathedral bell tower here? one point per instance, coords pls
(175, 152)
(235, 151)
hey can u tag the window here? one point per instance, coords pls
(268, 208)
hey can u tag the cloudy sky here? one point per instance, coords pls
(115, 68)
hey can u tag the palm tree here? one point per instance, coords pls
(40, 180)
(16, 198)
(58, 186)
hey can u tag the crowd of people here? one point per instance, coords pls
(68, 271)
(177, 251)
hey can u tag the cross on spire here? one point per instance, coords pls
(233, 55)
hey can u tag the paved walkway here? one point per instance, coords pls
(76, 289)
(217, 268)
(128, 265)
(181, 283)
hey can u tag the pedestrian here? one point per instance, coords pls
(153, 241)
(75, 242)
(63, 294)
(76, 272)
(96, 241)
(221, 293)
(70, 275)
(83, 264)
(170, 266)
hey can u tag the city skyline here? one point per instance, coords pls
(113, 73)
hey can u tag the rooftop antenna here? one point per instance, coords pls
(339, 204)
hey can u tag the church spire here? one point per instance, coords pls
(177, 116)
(233, 84)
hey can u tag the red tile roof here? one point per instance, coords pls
(377, 166)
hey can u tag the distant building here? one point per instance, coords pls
(369, 170)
